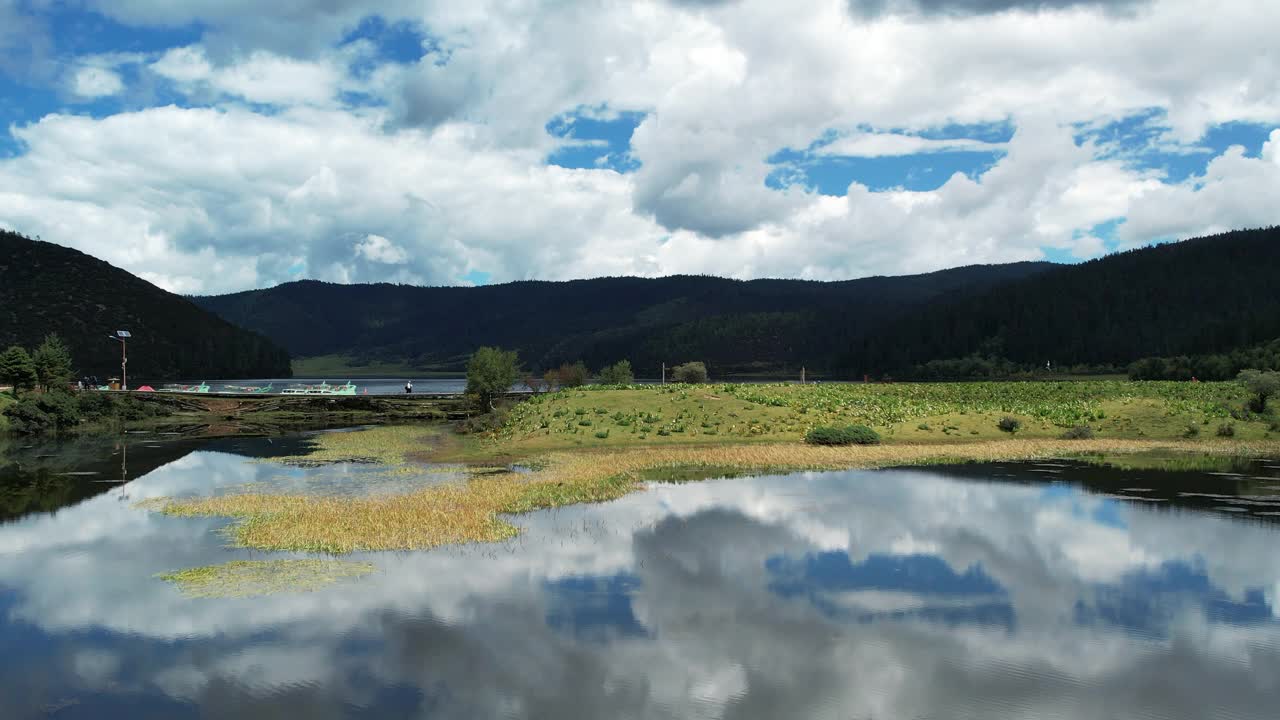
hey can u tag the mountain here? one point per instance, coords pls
(734, 326)
(49, 288)
(1196, 297)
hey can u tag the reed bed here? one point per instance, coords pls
(254, 578)
(471, 511)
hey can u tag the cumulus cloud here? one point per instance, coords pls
(447, 155)
(380, 249)
(261, 77)
(868, 144)
(872, 8)
(92, 82)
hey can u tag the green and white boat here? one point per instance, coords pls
(248, 389)
(200, 388)
(324, 388)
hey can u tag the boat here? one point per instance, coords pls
(251, 389)
(201, 388)
(324, 388)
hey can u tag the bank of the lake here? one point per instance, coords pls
(597, 444)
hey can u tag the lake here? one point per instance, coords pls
(1048, 590)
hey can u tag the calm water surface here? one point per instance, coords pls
(1048, 590)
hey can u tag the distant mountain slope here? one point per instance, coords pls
(49, 288)
(736, 326)
(1200, 296)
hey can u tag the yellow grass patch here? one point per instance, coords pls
(251, 578)
(470, 511)
(388, 445)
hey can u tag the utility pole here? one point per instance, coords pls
(123, 336)
(801, 374)
(664, 373)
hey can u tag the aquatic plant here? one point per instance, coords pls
(250, 578)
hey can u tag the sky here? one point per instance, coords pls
(213, 146)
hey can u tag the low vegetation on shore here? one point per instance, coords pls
(910, 412)
(473, 510)
(596, 444)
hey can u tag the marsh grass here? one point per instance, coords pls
(390, 445)
(471, 511)
(253, 578)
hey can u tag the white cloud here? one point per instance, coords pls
(867, 144)
(449, 159)
(92, 82)
(261, 77)
(382, 250)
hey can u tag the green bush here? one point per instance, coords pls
(1079, 432)
(1262, 385)
(1009, 424)
(602, 434)
(1191, 431)
(847, 435)
(1226, 430)
(47, 412)
(693, 373)
(618, 373)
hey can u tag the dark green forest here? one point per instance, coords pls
(1196, 298)
(765, 326)
(47, 288)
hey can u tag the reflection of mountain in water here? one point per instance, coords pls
(45, 475)
(905, 593)
(1249, 487)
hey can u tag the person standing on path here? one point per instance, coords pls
(408, 387)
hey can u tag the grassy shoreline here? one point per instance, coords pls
(598, 444)
(476, 510)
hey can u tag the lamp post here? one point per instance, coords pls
(123, 336)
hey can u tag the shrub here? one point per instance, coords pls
(584, 423)
(1079, 432)
(618, 373)
(43, 413)
(1009, 424)
(482, 423)
(693, 373)
(1191, 431)
(602, 434)
(1263, 385)
(17, 369)
(571, 376)
(847, 435)
(1226, 430)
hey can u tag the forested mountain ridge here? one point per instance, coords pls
(733, 325)
(1196, 297)
(48, 288)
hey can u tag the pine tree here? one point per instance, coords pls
(17, 369)
(52, 362)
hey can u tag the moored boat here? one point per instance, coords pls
(324, 388)
(202, 387)
(251, 389)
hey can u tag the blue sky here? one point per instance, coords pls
(385, 141)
